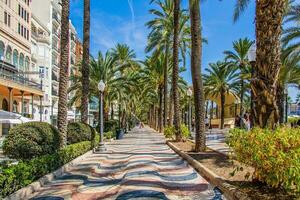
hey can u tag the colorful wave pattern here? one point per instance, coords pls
(141, 166)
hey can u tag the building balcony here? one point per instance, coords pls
(55, 18)
(54, 92)
(40, 37)
(55, 77)
(10, 77)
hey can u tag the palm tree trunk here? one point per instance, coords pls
(280, 103)
(85, 67)
(242, 97)
(63, 74)
(196, 54)
(269, 16)
(166, 84)
(171, 106)
(111, 111)
(160, 109)
(176, 70)
(222, 108)
(206, 109)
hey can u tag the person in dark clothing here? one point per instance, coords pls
(237, 122)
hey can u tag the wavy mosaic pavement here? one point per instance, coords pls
(141, 166)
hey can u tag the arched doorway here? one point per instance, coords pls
(5, 105)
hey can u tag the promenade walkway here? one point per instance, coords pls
(141, 166)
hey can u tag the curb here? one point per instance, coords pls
(25, 192)
(230, 191)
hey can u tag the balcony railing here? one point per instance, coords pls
(54, 16)
(9, 72)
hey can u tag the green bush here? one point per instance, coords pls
(15, 177)
(109, 135)
(274, 154)
(293, 121)
(30, 140)
(78, 132)
(111, 125)
(169, 132)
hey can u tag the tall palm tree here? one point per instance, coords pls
(196, 57)
(153, 77)
(85, 68)
(63, 74)
(161, 35)
(239, 57)
(267, 68)
(219, 81)
(175, 74)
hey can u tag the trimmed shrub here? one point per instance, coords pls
(109, 135)
(274, 154)
(15, 177)
(169, 132)
(78, 132)
(30, 140)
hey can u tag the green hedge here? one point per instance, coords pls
(275, 154)
(169, 132)
(79, 132)
(15, 177)
(30, 140)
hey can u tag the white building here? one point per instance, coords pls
(41, 62)
(49, 13)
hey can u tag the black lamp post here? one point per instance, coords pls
(189, 94)
(101, 88)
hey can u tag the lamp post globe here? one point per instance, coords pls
(101, 86)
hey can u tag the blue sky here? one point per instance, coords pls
(123, 21)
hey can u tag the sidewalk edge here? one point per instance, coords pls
(230, 191)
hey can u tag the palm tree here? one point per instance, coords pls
(289, 76)
(196, 57)
(291, 34)
(175, 74)
(219, 80)
(63, 74)
(153, 77)
(160, 37)
(85, 68)
(239, 57)
(267, 68)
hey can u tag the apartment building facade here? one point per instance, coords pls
(49, 13)
(20, 91)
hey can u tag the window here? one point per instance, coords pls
(25, 15)
(27, 34)
(19, 10)
(8, 54)
(6, 18)
(28, 17)
(42, 72)
(9, 20)
(22, 30)
(21, 62)
(22, 12)
(15, 58)
(27, 62)
(2, 47)
(19, 28)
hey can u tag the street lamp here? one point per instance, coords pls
(101, 88)
(189, 94)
